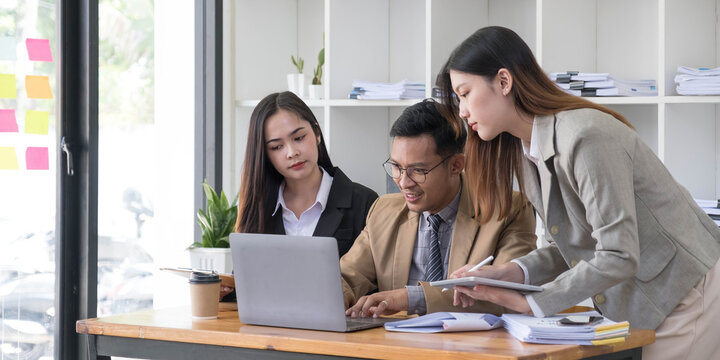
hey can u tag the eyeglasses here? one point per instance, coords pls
(417, 175)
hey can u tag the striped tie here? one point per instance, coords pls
(434, 269)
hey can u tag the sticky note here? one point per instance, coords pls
(38, 49)
(36, 122)
(37, 158)
(7, 48)
(8, 158)
(7, 86)
(38, 87)
(7, 121)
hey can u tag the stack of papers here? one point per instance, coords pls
(446, 322)
(712, 208)
(697, 81)
(365, 90)
(602, 84)
(548, 330)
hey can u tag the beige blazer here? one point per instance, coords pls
(623, 231)
(381, 256)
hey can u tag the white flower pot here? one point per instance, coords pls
(292, 83)
(296, 84)
(300, 85)
(218, 259)
(315, 92)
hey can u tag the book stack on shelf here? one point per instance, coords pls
(550, 330)
(366, 90)
(697, 81)
(712, 208)
(602, 84)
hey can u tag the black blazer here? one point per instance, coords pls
(344, 216)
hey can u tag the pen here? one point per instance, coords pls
(479, 265)
(482, 263)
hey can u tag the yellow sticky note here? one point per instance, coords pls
(38, 87)
(8, 158)
(7, 86)
(36, 122)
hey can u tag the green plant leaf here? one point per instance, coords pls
(206, 240)
(231, 216)
(203, 220)
(223, 242)
(216, 219)
(321, 58)
(210, 194)
(223, 200)
(194, 245)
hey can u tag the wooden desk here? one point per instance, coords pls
(171, 334)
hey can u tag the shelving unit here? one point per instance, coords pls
(391, 40)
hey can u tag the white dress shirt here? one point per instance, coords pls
(306, 223)
(532, 152)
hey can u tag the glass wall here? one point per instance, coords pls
(27, 178)
(145, 160)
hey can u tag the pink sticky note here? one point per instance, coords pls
(39, 49)
(37, 158)
(7, 121)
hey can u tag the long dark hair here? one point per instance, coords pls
(493, 165)
(260, 180)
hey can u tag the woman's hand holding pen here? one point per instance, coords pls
(510, 299)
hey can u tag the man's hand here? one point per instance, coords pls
(382, 303)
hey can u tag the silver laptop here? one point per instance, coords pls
(291, 281)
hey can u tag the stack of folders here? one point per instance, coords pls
(602, 84)
(712, 208)
(446, 322)
(697, 81)
(366, 90)
(549, 330)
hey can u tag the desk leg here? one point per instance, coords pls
(92, 349)
(630, 354)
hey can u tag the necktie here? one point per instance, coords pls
(434, 269)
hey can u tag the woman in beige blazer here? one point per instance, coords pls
(622, 231)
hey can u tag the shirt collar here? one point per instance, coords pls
(447, 213)
(532, 151)
(321, 197)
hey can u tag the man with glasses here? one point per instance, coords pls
(429, 229)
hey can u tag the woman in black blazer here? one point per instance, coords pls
(289, 185)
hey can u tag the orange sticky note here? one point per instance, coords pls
(7, 121)
(7, 86)
(37, 158)
(8, 158)
(38, 87)
(38, 49)
(36, 122)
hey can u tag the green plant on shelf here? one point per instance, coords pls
(299, 63)
(317, 72)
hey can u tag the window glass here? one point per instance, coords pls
(27, 178)
(145, 160)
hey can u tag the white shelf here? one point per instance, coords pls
(341, 103)
(606, 100)
(411, 39)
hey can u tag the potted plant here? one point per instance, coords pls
(315, 89)
(213, 253)
(296, 82)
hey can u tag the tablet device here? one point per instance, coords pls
(471, 281)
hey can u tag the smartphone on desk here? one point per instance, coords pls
(580, 320)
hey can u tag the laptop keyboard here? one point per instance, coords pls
(366, 322)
